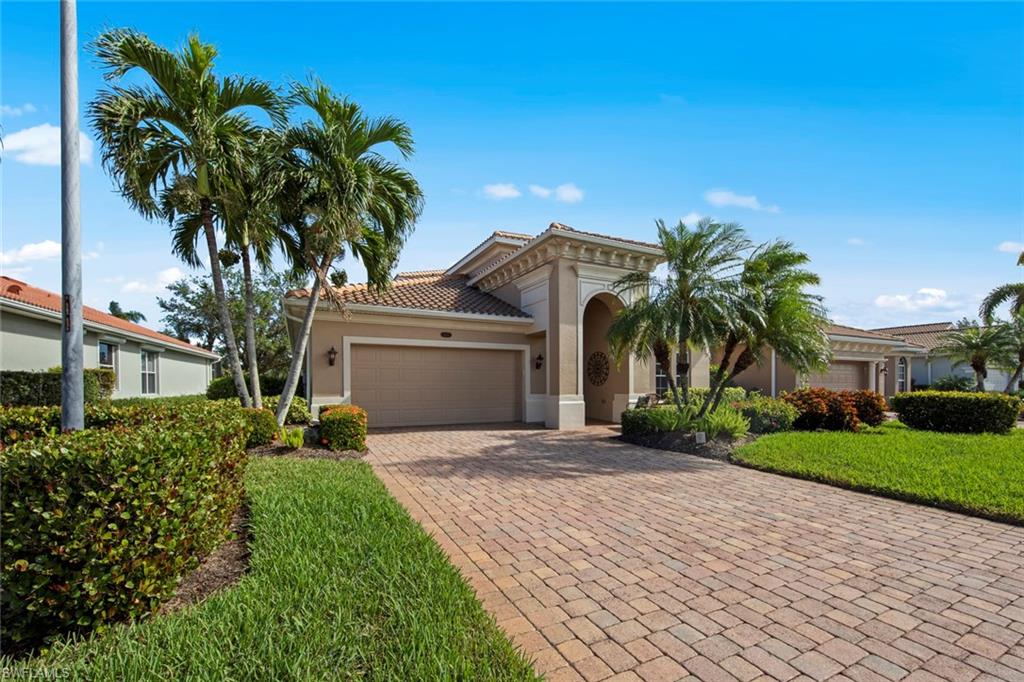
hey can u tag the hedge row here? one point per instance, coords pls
(343, 427)
(43, 388)
(958, 412)
(223, 387)
(100, 524)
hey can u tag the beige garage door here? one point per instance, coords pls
(842, 376)
(411, 386)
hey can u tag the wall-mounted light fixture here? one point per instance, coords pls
(538, 361)
(446, 335)
(332, 355)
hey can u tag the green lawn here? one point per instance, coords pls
(981, 475)
(343, 584)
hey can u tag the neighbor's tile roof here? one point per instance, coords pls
(16, 290)
(854, 331)
(427, 290)
(927, 335)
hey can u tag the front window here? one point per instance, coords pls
(901, 375)
(108, 357)
(149, 372)
(661, 386)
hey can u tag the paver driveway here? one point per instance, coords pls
(605, 560)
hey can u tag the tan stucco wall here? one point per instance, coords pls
(563, 290)
(599, 399)
(759, 377)
(538, 377)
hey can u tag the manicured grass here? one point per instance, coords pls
(981, 475)
(343, 584)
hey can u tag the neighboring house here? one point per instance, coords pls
(147, 363)
(513, 331)
(930, 367)
(861, 359)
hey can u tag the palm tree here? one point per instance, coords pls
(343, 196)
(183, 127)
(646, 328)
(1012, 293)
(1012, 357)
(975, 345)
(778, 313)
(700, 288)
(116, 310)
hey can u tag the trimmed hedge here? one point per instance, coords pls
(43, 388)
(100, 524)
(343, 427)
(958, 412)
(263, 424)
(953, 382)
(28, 422)
(767, 415)
(821, 408)
(637, 422)
(223, 387)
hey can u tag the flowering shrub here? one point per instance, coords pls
(343, 427)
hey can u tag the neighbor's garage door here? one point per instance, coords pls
(842, 376)
(412, 386)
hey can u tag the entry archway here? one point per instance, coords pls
(602, 380)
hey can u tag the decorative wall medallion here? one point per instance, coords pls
(597, 368)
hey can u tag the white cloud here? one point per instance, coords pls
(856, 241)
(8, 110)
(44, 250)
(502, 190)
(539, 191)
(725, 197)
(1010, 247)
(40, 146)
(568, 193)
(157, 286)
(925, 298)
(691, 218)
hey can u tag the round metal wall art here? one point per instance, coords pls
(597, 368)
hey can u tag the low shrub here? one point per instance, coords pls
(958, 412)
(821, 408)
(100, 524)
(263, 426)
(19, 388)
(870, 406)
(298, 411)
(767, 415)
(637, 422)
(27, 422)
(725, 421)
(343, 427)
(953, 382)
(729, 394)
(292, 438)
(223, 387)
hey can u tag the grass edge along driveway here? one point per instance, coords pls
(342, 584)
(981, 475)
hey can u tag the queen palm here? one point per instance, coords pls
(184, 124)
(1013, 351)
(778, 312)
(699, 289)
(344, 196)
(975, 345)
(1012, 293)
(645, 329)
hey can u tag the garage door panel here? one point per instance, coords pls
(841, 376)
(414, 386)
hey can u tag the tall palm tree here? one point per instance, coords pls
(343, 196)
(645, 329)
(184, 124)
(778, 313)
(1012, 293)
(700, 288)
(1013, 352)
(975, 345)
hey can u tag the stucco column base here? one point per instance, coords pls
(565, 412)
(621, 403)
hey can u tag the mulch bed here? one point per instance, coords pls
(686, 443)
(223, 567)
(307, 451)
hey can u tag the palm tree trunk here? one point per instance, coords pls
(299, 352)
(719, 379)
(745, 360)
(683, 365)
(663, 356)
(1015, 379)
(222, 303)
(250, 329)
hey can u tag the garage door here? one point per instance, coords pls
(411, 386)
(842, 376)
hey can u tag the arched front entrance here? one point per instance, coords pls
(602, 380)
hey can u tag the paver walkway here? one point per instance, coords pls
(609, 561)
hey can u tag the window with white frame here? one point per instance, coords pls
(661, 381)
(901, 375)
(150, 382)
(108, 358)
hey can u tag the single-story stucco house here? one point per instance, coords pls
(146, 363)
(929, 367)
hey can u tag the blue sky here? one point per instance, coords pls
(885, 140)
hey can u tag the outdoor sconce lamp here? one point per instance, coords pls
(332, 355)
(538, 361)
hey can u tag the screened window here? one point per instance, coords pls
(149, 361)
(901, 375)
(108, 357)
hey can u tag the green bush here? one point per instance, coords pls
(263, 426)
(343, 427)
(669, 418)
(767, 415)
(952, 382)
(298, 411)
(43, 388)
(725, 421)
(821, 408)
(100, 524)
(729, 394)
(870, 406)
(958, 412)
(637, 422)
(223, 387)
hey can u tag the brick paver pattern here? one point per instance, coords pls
(607, 561)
